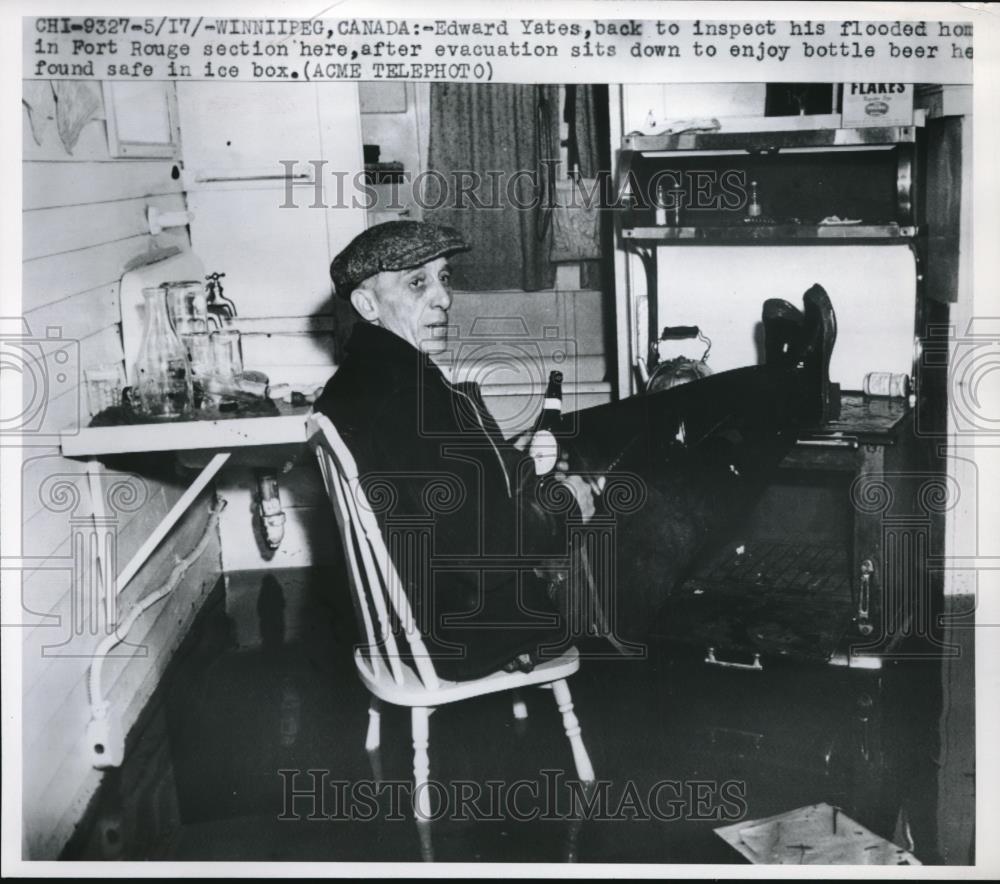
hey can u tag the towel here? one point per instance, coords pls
(77, 103)
(40, 101)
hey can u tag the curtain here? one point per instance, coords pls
(587, 114)
(500, 132)
(590, 104)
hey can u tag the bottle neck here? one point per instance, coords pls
(158, 326)
(156, 311)
(551, 404)
(553, 394)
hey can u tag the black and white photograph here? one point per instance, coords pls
(500, 439)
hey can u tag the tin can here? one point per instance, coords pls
(886, 384)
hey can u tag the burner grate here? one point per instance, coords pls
(782, 566)
(777, 599)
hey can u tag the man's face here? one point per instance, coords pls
(414, 304)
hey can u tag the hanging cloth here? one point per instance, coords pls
(576, 218)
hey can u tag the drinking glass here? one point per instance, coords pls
(199, 347)
(105, 383)
(227, 353)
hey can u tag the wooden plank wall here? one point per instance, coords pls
(83, 219)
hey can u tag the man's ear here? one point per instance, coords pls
(364, 302)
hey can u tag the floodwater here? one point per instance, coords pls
(253, 749)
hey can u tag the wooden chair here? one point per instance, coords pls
(377, 588)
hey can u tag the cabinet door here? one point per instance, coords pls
(244, 129)
(944, 207)
(276, 260)
(268, 235)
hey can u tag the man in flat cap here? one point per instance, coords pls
(437, 451)
(437, 447)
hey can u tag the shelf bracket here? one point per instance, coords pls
(171, 518)
(647, 254)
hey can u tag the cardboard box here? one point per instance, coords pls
(877, 104)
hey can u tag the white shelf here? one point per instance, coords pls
(286, 428)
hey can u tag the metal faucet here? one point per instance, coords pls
(218, 304)
(272, 517)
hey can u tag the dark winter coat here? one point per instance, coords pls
(454, 486)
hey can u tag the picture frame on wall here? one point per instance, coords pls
(141, 118)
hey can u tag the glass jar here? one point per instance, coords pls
(186, 300)
(162, 373)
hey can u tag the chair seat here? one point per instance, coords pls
(413, 693)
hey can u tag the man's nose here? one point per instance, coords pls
(440, 295)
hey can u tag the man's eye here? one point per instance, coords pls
(445, 279)
(417, 282)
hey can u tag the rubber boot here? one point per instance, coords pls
(819, 335)
(783, 324)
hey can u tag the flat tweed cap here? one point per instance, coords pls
(394, 245)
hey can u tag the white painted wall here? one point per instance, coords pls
(651, 107)
(721, 289)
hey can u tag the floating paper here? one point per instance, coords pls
(815, 835)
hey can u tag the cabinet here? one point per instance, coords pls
(856, 189)
(864, 176)
(798, 646)
(786, 641)
(269, 170)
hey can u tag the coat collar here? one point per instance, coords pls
(387, 353)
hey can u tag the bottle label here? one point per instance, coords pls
(544, 451)
(552, 405)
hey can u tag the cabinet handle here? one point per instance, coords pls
(219, 176)
(864, 597)
(828, 443)
(756, 665)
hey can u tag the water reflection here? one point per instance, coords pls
(266, 682)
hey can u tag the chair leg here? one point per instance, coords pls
(520, 709)
(572, 842)
(373, 737)
(419, 717)
(564, 700)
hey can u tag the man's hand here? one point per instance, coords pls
(547, 454)
(585, 489)
(582, 491)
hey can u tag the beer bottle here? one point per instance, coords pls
(544, 447)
